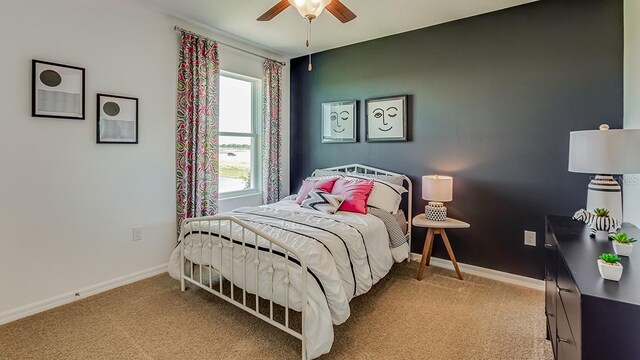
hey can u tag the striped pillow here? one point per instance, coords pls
(322, 201)
(396, 233)
(325, 184)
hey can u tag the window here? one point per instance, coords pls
(240, 171)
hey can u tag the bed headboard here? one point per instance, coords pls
(363, 169)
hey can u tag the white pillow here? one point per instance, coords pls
(384, 195)
(331, 173)
(394, 179)
(322, 201)
(323, 177)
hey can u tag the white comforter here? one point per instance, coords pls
(346, 255)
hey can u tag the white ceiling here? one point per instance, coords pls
(286, 33)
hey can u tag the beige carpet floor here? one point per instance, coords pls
(401, 318)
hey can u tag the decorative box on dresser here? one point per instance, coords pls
(589, 317)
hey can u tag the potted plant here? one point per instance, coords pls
(610, 267)
(622, 244)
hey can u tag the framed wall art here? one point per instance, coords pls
(57, 91)
(339, 122)
(117, 119)
(386, 119)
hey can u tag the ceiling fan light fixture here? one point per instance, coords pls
(309, 9)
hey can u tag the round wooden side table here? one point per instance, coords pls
(437, 228)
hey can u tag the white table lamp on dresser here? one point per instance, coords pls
(436, 189)
(605, 153)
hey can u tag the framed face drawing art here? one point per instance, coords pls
(339, 121)
(386, 119)
(57, 91)
(117, 120)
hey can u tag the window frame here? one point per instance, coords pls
(255, 135)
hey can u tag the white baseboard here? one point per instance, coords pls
(486, 273)
(40, 306)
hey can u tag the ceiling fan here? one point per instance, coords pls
(310, 9)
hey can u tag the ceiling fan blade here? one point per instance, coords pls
(275, 10)
(341, 12)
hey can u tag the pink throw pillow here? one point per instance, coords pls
(308, 185)
(355, 193)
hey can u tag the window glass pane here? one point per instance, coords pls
(235, 163)
(235, 105)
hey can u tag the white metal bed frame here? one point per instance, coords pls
(275, 246)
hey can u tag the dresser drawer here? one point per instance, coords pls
(570, 296)
(551, 286)
(550, 310)
(567, 349)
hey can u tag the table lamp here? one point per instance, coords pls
(436, 189)
(605, 153)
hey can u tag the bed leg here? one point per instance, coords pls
(181, 242)
(304, 350)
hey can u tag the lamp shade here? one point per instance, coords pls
(605, 151)
(437, 188)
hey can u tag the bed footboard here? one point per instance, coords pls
(228, 260)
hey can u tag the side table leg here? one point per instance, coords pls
(426, 252)
(450, 251)
(433, 239)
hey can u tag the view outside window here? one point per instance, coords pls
(237, 134)
(235, 163)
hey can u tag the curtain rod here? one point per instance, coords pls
(179, 29)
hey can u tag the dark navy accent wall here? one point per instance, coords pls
(493, 99)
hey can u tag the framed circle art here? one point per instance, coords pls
(117, 119)
(57, 91)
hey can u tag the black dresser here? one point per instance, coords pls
(589, 317)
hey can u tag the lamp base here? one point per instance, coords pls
(435, 211)
(605, 192)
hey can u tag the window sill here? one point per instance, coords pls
(239, 196)
(233, 202)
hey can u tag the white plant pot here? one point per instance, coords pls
(609, 271)
(622, 249)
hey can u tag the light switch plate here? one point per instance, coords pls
(137, 233)
(529, 238)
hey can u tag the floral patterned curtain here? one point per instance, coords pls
(197, 128)
(272, 132)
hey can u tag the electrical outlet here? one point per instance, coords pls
(530, 238)
(137, 233)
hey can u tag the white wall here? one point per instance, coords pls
(632, 101)
(68, 205)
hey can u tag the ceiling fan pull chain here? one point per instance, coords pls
(310, 68)
(308, 32)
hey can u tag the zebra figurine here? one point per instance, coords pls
(597, 223)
